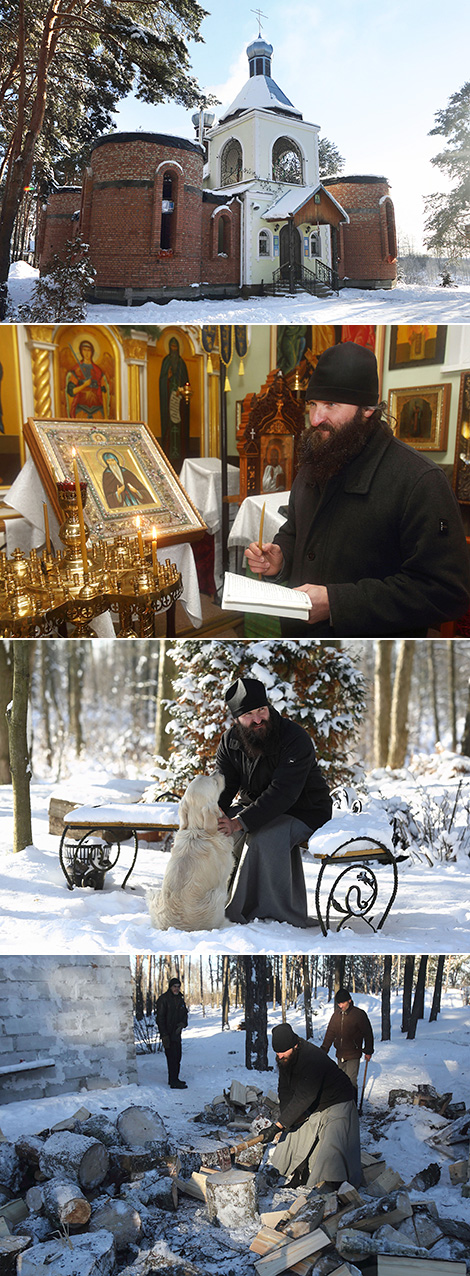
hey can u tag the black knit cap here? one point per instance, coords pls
(345, 373)
(342, 995)
(244, 695)
(283, 1038)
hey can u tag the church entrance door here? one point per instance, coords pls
(290, 255)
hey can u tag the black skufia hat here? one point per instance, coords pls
(345, 373)
(244, 695)
(283, 1038)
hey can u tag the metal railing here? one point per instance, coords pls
(293, 277)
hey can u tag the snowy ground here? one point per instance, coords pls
(431, 912)
(404, 304)
(212, 1058)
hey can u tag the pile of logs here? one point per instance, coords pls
(92, 1195)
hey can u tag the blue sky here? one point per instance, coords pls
(371, 75)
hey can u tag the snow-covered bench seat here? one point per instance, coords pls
(91, 832)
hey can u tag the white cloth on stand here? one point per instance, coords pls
(201, 478)
(247, 523)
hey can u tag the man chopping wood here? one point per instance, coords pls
(318, 1117)
(350, 1031)
(172, 1017)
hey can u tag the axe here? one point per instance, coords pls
(363, 1086)
(224, 1156)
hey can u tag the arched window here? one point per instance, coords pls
(287, 161)
(315, 244)
(391, 230)
(223, 236)
(231, 164)
(264, 244)
(168, 209)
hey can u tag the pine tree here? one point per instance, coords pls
(61, 294)
(307, 680)
(331, 163)
(448, 214)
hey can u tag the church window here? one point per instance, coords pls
(315, 244)
(391, 230)
(231, 165)
(168, 208)
(223, 230)
(264, 247)
(287, 161)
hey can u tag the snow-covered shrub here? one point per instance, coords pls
(62, 293)
(307, 680)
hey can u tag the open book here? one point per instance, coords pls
(244, 593)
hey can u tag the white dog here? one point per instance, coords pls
(194, 891)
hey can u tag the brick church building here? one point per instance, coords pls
(240, 210)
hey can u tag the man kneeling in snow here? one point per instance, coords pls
(318, 1115)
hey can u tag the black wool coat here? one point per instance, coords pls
(172, 1014)
(310, 1083)
(350, 1032)
(386, 537)
(287, 781)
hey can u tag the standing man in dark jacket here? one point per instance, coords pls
(283, 797)
(350, 1031)
(373, 526)
(318, 1115)
(172, 1017)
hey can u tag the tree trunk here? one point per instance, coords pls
(256, 1014)
(432, 689)
(465, 742)
(452, 692)
(226, 991)
(166, 671)
(386, 984)
(418, 1003)
(6, 692)
(407, 992)
(382, 699)
(436, 997)
(139, 1126)
(284, 988)
(400, 699)
(307, 1000)
(75, 694)
(19, 756)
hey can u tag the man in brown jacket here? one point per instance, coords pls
(350, 1031)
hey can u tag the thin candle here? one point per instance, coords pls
(139, 537)
(154, 551)
(46, 528)
(80, 511)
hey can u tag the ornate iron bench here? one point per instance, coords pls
(90, 845)
(348, 885)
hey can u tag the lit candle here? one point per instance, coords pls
(139, 537)
(46, 528)
(80, 511)
(154, 551)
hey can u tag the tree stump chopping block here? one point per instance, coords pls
(139, 1126)
(75, 1155)
(231, 1197)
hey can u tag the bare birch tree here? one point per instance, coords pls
(17, 718)
(400, 702)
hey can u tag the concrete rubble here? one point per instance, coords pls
(154, 1207)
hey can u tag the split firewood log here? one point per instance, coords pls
(84, 1159)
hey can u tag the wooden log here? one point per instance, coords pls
(34, 1199)
(389, 1209)
(238, 1094)
(231, 1197)
(139, 1126)
(70, 1122)
(98, 1126)
(120, 1218)
(29, 1148)
(10, 1248)
(84, 1159)
(14, 1211)
(90, 1254)
(285, 1256)
(64, 1203)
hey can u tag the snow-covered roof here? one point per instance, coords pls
(294, 199)
(260, 93)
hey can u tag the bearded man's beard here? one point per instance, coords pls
(258, 740)
(323, 453)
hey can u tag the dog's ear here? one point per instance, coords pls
(183, 812)
(210, 815)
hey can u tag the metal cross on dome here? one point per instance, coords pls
(259, 15)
